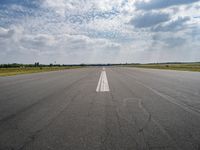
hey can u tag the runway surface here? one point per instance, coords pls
(109, 108)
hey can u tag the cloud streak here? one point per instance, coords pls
(174, 25)
(159, 4)
(149, 19)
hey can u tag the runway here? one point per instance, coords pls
(95, 108)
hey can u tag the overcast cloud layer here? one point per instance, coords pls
(99, 31)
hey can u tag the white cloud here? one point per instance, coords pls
(87, 31)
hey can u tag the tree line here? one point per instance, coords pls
(36, 64)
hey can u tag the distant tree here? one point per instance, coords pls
(37, 64)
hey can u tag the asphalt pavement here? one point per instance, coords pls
(95, 108)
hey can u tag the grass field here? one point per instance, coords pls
(181, 66)
(27, 70)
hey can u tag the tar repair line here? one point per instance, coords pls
(103, 82)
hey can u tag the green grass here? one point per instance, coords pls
(28, 70)
(181, 67)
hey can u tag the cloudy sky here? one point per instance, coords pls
(99, 31)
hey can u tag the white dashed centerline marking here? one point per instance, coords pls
(102, 85)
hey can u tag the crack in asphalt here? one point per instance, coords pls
(168, 98)
(150, 118)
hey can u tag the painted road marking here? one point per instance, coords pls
(102, 85)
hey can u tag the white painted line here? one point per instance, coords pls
(99, 83)
(102, 85)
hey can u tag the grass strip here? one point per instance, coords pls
(28, 70)
(181, 67)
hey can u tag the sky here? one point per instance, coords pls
(99, 31)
